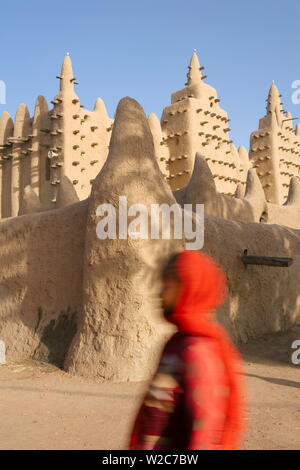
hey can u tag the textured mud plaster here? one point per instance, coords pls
(257, 187)
(261, 299)
(56, 337)
(92, 305)
(41, 257)
(202, 190)
(248, 205)
(121, 330)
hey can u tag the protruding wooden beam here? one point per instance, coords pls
(266, 260)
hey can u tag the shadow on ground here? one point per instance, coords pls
(273, 349)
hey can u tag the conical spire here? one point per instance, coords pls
(41, 109)
(294, 193)
(100, 109)
(154, 124)
(244, 157)
(194, 75)
(66, 194)
(66, 76)
(201, 187)
(239, 191)
(22, 120)
(254, 189)
(273, 99)
(30, 202)
(6, 126)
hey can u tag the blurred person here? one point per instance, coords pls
(196, 398)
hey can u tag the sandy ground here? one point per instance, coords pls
(42, 407)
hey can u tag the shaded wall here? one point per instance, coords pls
(40, 281)
(262, 299)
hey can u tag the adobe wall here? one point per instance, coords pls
(92, 305)
(121, 329)
(41, 282)
(121, 332)
(202, 190)
(78, 141)
(262, 299)
(247, 206)
(41, 310)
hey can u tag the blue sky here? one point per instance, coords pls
(142, 49)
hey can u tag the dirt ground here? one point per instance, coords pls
(42, 407)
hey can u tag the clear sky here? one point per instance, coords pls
(142, 49)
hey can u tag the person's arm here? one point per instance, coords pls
(154, 416)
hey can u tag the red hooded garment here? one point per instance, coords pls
(197, 398)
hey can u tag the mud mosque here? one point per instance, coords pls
(90, 306)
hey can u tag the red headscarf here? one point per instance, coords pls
(203, 288)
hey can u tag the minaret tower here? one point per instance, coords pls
(274, 149)
(195, 122)
(65, 118)
(80, 137)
